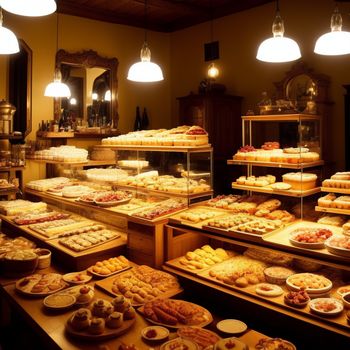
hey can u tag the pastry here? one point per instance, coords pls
(282, 215)
(97, 326)
(114, 320)
(102, 308)
(327, 200)
(230, 343)
(109, 266)
(296, 150)
(268, 290)
(277, 274)
(281, 186)
(333, 220)
(129, 313)
(270, 257)
(81, 319)
(120, 304)
(341, 202)
(274, 344)
(204, 338)
(300, 181)
(341, 176)
(85, 295)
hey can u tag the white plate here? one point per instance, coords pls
(161, 333)
(68, 277)
(318, 245)
(337, 250)
(232, 343)
(63, 301)
(310, 291)
(339, 306)
(268, 290)
(171, 344)
(231, 326)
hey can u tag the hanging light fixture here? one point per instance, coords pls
(213, 71)
(57, 88)
(31, 8)
(336, 42)
(8, 40)
(145, 71)
(278, 48)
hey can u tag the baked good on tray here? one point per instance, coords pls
(333, 220)
(143, 283)
(222, 201)
(300, 181)
(269, 257)
(203, 257)
(274, 344)
(38, 284)
(239, 271)
(110, 266)
(204, 338)
(199, 214)
(327, 200)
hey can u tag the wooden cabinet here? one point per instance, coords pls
(220, 115)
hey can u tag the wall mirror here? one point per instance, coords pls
(20, 88)
(93, 82)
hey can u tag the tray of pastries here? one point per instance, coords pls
(44, 184)
(340, 180)
(201, 258)
(239, 271)
(196, 215)
(100, 321)
(204, 338)
(222, 201)
(175, 313)
(112, 198)
(21, 206)
(88, 239)
(35, 218)
(56, 227)
(330, 200)
(141, 284)
(106, 268)
(78, 231)
(40, 285)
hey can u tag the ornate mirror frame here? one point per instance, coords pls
(90, 59)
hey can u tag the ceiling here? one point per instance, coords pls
(162, 15)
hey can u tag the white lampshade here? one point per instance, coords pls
(32, 8)
(108, 95)
(336, 42)
(213, 71)
(57, 88)
(278, 48)
(8, 41)
(145, 71)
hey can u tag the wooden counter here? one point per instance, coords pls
(51, 326)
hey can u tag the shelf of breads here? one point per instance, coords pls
(275, 164)
(155, 148)
(336, 190)
(333, 210)
(80, 163)
(281, 239)
(270, 190)
(336, 324)
(281, 117)
(55, 135)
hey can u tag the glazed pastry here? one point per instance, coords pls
(97, 326)
(102, 308)
(114, 320)
(120, 304)
(84, 295)
(129, 313)
(81, 319)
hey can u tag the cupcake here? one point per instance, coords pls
(97, 326)
(120, 304)
(84, 296)
(81, 319)
(114, 320)
(129, 313)
(102, 308)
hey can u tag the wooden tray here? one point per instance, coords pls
(112, 203)
(92, 245)
(336, 190)
(107, 334)
(333, 210)
(38, 295)
(107, 284)
(207, 314)
(98, 275)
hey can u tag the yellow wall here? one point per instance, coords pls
(239, 36)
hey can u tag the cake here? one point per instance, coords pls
(129, 313)
(120, 304)
(114, 320)
(300, 181)
(101, 308)
(81, 319)
(97, 326)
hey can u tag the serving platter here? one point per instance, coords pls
(81, 277)
(112, 203)
(202, 312)
(107, 334)
(336, 311)
(338, 250)
(309, 290)
(204, 338)
(99, 275)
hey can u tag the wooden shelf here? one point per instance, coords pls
(183, 149)
(10, 137)
(11, 168)
(267, 189)
(333, 210)
(94, 135)
(336, 190)
(55, 135)
(83, 164)
(276, 165)
(281, 117)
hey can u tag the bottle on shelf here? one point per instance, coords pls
(138, 122)
(145, 120)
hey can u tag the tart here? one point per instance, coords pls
(268, 290)
(277, 274)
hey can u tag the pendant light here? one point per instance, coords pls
(145, 71)
(8, 40)
(336, 42)
(278, 48)
(57, 88)
(213, 71)
(31, 8)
